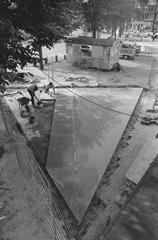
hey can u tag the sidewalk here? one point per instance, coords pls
(139, 218)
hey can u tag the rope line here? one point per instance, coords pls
(92, 102)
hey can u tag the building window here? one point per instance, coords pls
(86, 50)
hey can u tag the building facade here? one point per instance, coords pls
(147, 20)
(151, 16)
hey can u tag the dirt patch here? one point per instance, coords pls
(67, 219)
(37, 133)
(44, 117)
(135, 72)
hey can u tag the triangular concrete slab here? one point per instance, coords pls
(83, 139)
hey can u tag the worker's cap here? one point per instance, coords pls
(50, 84)
(36, 88)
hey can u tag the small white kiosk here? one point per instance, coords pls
(93, 52)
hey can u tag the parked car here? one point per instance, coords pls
(127, 51)
(137, 48)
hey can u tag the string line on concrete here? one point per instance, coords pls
(92, 102)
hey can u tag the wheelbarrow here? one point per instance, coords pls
(23, 106)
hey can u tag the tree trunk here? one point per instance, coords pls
(94, 34)
(112, 33)
(115, 33)
(40, 58)
(121, 29)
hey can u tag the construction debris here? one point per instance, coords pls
(149, 121)
(81, 79)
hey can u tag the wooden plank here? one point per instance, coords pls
(140, 165)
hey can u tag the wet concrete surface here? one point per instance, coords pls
(83, 139)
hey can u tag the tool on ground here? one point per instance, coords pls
(149, 120)
(25, 109)
(23, 106)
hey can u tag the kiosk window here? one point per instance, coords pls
(86, 50)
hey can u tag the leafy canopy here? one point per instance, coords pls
(46, 21)
(98, 14)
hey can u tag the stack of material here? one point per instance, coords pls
(149, 120)
(45, 97)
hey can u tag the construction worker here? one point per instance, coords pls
(31, 90)
(50, 85)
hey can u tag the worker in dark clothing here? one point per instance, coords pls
(50, 85)
(118, 67)
(31, 90)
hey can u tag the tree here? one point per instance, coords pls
(100, 14)
(140, 10)
(46, 21)
(11, 49)
(120, 12)
(94, 15)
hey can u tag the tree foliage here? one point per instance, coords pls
(100, 14)
(140, 10)
(46, 21)
(120, 12)
(94, 15)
